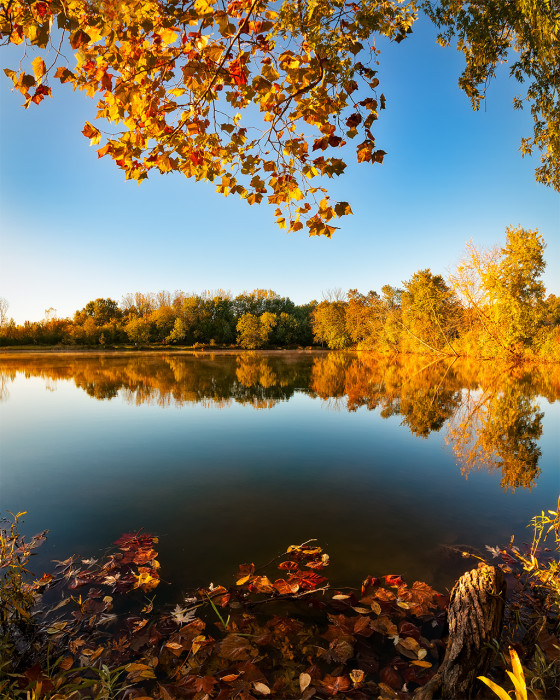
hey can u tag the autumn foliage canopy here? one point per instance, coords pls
(259, 97)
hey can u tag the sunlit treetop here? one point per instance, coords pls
(255, 96)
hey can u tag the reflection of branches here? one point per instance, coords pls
(335, 403)
(499, 431)
(4, 379)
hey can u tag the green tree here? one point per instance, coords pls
(329, 324)
(260, 300)
(100, 310)
(502, 290)
(139, 330)
(286, 331)
(365, 316)
(552, 310)
(515, 288)
(223, 322)
(524, 34)
(255, 331)
(392, 324)
(430, 313)
(162, 319)
(194, 318)
(303, 314)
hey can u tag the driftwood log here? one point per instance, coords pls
(475, 617)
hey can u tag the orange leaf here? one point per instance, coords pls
(336, 684)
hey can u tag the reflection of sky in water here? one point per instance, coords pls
(223, 486)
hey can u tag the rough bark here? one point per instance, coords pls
(475, 617)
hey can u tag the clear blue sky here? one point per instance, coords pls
(73, 230)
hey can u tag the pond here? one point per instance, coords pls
(229, 458)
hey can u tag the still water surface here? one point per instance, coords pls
(229, 458)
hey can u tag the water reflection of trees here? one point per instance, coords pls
(210, 379)
(491, 413)
(499, 430)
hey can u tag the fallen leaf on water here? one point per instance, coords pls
(304, 681)
(336, 684)
(357, 676)
(262, 688)
(230, 677)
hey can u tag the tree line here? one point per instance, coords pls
(261, 318)
(493, 304)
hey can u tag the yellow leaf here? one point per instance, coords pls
(94, 33)
(357, 676)
(93, 134)
(202, 7)
(39, 68)
(197, 643)
(304, 681)
(262, 688)
(168, 36)
(517, 677)
(500, 692)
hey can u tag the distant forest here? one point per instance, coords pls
(493, 304)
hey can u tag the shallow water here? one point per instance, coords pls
(230, 458)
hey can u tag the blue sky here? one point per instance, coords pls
(73, 230)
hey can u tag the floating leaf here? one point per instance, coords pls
(304, 681)
(235, 648)
(336, 684)
(262, 688)
(383, 625)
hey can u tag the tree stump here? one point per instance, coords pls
(475, 617)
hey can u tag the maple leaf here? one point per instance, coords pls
(182, 615)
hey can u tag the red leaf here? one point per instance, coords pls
(285, 588)
(308, 579)
(41, 9)
(337, 684)
(106, 81)
(407, 629)
(369, 581)
(196, 158)
(235, 648)
(125, 539)
(363, 626)
(78, 38)
(288, 565)
(391, 677)
(40, 93)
